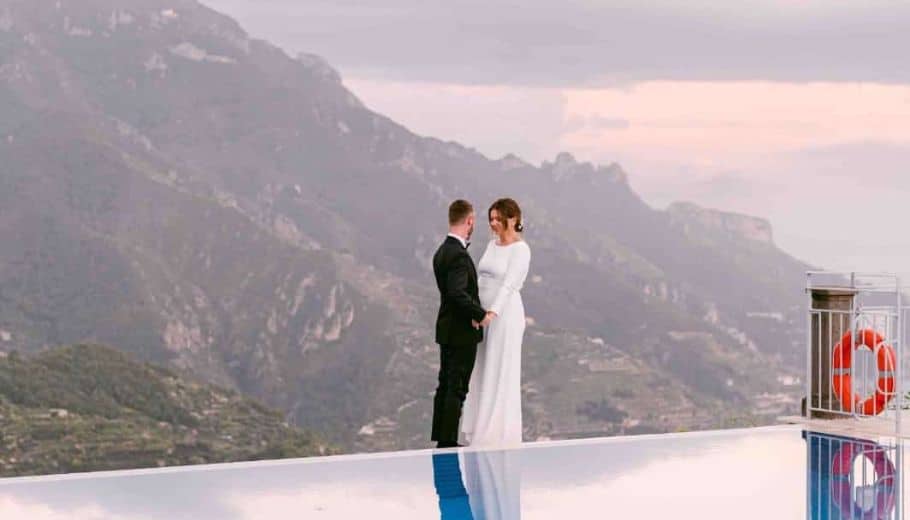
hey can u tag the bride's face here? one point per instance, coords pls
(496, 223)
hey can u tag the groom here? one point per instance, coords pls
(456, 333)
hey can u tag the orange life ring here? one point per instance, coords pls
(842, 365)
(842, 484)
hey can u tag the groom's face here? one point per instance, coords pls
(470, 222)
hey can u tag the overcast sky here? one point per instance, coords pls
(571, 43)
(797, 111)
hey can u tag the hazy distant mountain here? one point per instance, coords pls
(90, 408)
(171, 186)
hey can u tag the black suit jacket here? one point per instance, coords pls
(456, 279)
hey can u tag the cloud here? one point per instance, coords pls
(497, 120)
(595, 122)
(583, 42)
(869, 163)
(837, 206)
(734, 123)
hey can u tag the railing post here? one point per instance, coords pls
(898, 340)
(830, 319)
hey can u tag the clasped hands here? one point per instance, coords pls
(486, 320)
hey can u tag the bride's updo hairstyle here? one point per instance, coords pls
(507, 208)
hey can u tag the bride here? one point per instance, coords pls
(492, 412)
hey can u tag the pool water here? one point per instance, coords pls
(765, 473)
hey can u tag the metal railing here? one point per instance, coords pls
(854, 337)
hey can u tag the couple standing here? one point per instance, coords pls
(479, 329)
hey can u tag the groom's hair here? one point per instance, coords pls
(459, 211)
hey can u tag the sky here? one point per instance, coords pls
(794, 111)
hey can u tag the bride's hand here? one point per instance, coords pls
(488, 318)
(475, 324)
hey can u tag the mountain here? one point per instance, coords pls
(90, 408)
(203, 200)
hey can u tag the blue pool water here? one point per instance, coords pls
(769, 473)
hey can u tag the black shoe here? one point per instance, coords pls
(442, 444)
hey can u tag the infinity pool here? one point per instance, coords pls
(768, 473)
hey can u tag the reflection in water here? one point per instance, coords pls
(494, 484)
(453, 498)
(852, 478)
(493, 481)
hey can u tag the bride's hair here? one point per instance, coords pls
(507, 208)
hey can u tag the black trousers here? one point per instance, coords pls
(455, 367)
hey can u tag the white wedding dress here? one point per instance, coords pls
(492, 410)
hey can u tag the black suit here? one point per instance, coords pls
(456, 279)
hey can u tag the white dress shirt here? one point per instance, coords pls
(464, 243)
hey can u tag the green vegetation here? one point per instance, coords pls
(90, 408)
